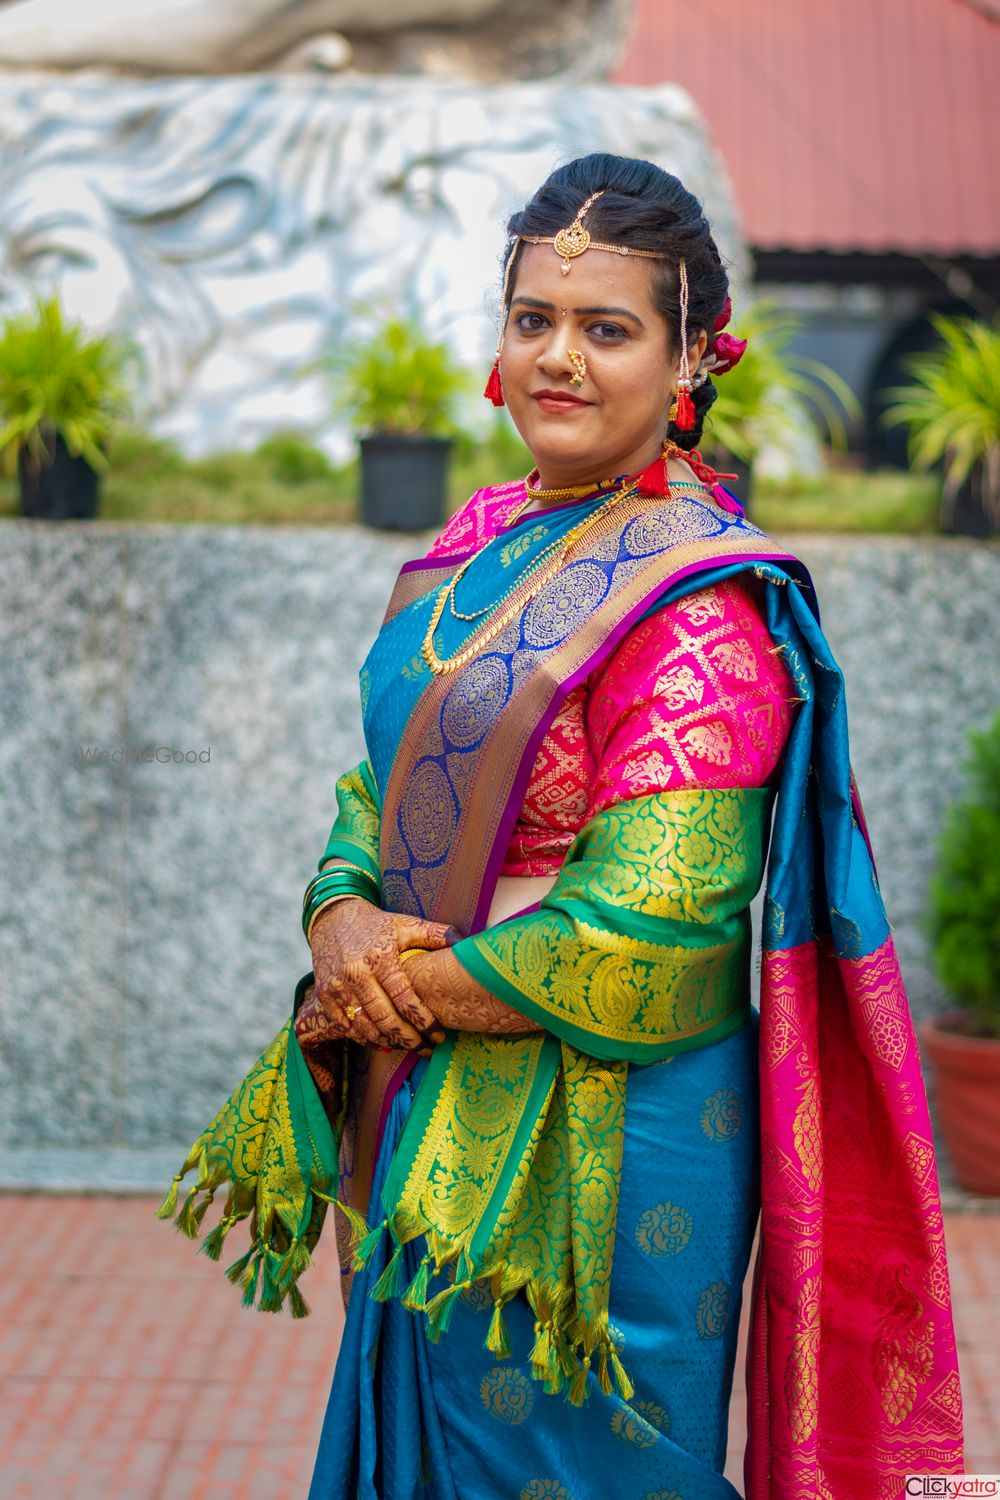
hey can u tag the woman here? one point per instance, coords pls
(525, 1062)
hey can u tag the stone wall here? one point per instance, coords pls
(149, 918)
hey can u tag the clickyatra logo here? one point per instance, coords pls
(953, 1486)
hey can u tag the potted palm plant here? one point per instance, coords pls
(401, 390)
(60, 393)
(767, 394)
(963, 922)
(952, 415)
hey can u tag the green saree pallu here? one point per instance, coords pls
(508, 1166)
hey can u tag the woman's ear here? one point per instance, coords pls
(696, 352)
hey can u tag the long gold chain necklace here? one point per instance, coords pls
(542, 572)
(544, 568)
(578, 492)
(477, 614)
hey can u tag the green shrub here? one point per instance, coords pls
(951, 411)
(54, 378)
(292, 459)
(964, 914)
(399, 381)
(139, 454)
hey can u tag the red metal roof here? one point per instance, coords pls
(846, 125)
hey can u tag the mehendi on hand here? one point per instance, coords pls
(459, 1001)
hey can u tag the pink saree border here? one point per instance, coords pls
(852, 1374)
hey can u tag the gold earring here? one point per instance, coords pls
(579, 363)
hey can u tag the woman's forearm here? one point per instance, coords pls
(459, 1001)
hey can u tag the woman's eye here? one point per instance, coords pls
(530, 322)
(606, 332)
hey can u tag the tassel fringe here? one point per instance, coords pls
(390, 1283)
(625, 1387)
(439, 1310)
(494, 389)
(236, 1270)
(357, 1221)
(248, 1281)
(365, 1248)
(216, 1238)
(497, 1339)
(653, 481)
(578, 1392)
(686, 414)
(268, 1272)
(415, 1296)
(603, 1378)
(169, 1204)
(296, 1260)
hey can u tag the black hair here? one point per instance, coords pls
(644, 207)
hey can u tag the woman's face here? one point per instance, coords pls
(615, 421)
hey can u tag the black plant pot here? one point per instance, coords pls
(973, 510)
(403, 481)
(65, 489)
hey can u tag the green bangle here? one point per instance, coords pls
(348, 883)
(329, 878)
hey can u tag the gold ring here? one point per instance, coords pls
(350, 1011)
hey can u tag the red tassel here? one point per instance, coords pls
(686, 414)
(654, 481)
(494, 390)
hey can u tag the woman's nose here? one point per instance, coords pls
(554, 358)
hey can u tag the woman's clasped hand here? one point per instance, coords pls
(356, 963)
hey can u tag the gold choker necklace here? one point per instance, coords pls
(568, 492)
(669, 450)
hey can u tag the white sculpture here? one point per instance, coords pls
(167, 36)
(513, 38)
(235, 225)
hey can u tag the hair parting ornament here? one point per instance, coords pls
(575, 240)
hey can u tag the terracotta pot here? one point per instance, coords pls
(967, 1089)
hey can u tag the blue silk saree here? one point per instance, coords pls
(544, 1237)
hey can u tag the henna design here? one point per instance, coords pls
(459, 1001)
(355, 950)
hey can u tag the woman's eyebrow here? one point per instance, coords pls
(617, 312)
(581, 312)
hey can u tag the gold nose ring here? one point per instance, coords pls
(579, 363)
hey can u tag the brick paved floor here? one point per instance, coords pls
(130, 1371)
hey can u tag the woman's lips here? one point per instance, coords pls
(555, 401)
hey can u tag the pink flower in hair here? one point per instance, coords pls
(724, 316)
(728, 351)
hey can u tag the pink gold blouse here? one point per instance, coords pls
(695, 695)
